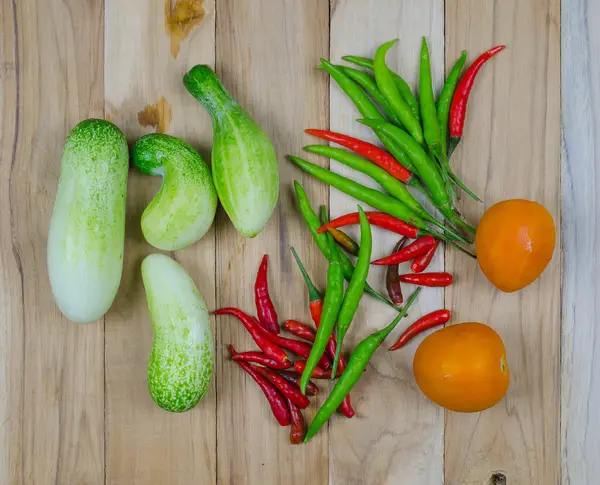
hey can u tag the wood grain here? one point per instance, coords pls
(397, 436)
(266, 54)
(146, 445)
(510, 149)
(580, 421)
(51, 373)
(11, 294)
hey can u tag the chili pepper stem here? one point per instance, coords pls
(461, 184)
(435, 222)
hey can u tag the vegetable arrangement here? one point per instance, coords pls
(462, 368)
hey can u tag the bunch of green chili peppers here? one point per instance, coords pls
(416, 134)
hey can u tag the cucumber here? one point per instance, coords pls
(244, 163)
(87, 228)
(184, 208)
(181, 365)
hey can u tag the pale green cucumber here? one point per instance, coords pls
(181, 365)
(184, 208)
(87, 229)
(244, 163)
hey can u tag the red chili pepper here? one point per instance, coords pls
(311, 388)
(300, 330)
(262, 359)
(314, 296)
(379, 219)
(413, 250)
(431, 320)
(267, 316)
(299, 348)
(278, 404)
(458, 108)
(391, 276)
(290, 391)
(258, 334)
(319, 372)
(427, 279)
(316, 308)
(371, 152)
(344, 240)
(420, 264)
(297, 431)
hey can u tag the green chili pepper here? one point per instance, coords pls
(312, 221)
(325, 244)
(391, 184)
(334, 294)
(372, 197)
(370, 86)
(354, 369)
(431, 125)
(348, 268)
(355, 287)
(387, 86)
(425, 167)
(401, 84)
(443, 114)
(353, 90)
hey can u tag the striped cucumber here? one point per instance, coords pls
(244, 164)
(184, 208)
(181, 365)
(87, 229)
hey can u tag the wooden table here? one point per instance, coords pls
(74, 406)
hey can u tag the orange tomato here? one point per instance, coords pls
(514, 243)
(463, 367)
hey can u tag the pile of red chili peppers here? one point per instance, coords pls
(271, 368)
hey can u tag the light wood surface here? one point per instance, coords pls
(265, 56)
(74, 404)
(397, 436)
(139, 70)
(510, 149)
(52, 377)
(580, 420)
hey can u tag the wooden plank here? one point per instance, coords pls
(397, 435)
(11, 297)
(144, 444)
(51, 370)
(510, 149)
(266, 53)
(580, 422)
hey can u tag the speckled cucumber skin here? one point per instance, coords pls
(184, 208)
(87, 229)
(244, 163)
(181, 364)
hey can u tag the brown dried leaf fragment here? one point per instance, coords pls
(181, 17)
(156, 115)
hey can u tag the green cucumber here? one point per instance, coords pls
(184, 208)
(181, 364)
(244, 163)
(87, 228)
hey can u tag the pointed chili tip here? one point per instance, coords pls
(232, 350)
(322, 229)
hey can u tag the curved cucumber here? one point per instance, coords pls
(181, 363)
(184, 208)
(244, 164)
(87, 229)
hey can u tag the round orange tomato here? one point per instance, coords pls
(514, 243)
(463, 367)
